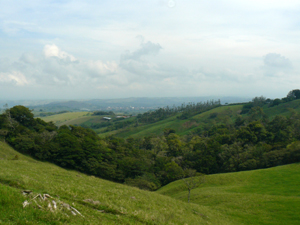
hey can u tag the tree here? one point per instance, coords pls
(275, 102)
(168, 131)
(239, 121)
(259, 101)
(174, 145)
(8, 120)
(192, 180)
(294, 94)
(22, 115)
(257, 113)
(281, 128)
(159, 145)
(171, 172)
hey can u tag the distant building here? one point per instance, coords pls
(122, 116)
(106, 118)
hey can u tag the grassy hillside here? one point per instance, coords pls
(67, 118)
(222, 114)
(182, 127)
(75, 118)
(99, 201)
(267, 196)
(282, 109)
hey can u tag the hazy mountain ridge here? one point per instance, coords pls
(134, 103)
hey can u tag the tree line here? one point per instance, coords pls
(186, 110)
(261, 101)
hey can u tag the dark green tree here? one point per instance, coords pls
(294, 94)
(22, 115)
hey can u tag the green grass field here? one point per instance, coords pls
(117, 203)
(63, 118)
(74, 118)
(267, 196)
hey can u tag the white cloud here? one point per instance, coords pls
(54, 51)
(14, 78)
(98, 68)
(55, 67)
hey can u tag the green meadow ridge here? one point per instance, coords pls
(268, 196)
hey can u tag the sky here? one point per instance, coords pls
(75, 49)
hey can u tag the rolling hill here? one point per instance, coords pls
(182, 127)
(265, 196)
(268, 196)
(222, 114)
(98, 200)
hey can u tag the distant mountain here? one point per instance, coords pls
(12, 103)
(121, 104)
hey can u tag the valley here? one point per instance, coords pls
(121, 169)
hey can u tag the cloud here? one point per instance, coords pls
(148, 48)
(14, 78)
(221, 75)
(54, 67)
(29, 59)
(276, 65)
(136, 62)
(54, 51)
(98, 68)
(277, 60)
